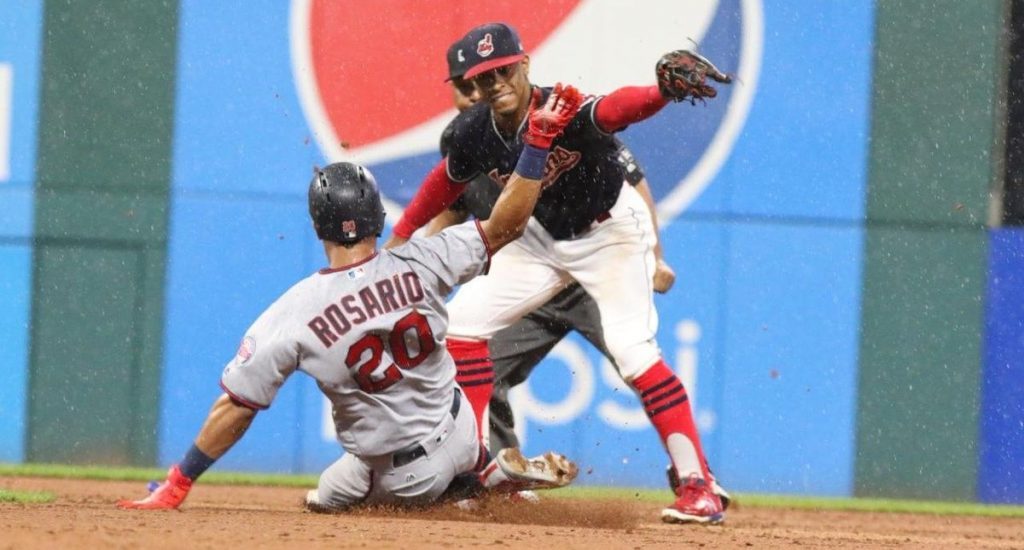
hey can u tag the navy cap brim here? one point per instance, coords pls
(492, 64)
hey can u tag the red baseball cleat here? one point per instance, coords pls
(723, 495)
(696, 503)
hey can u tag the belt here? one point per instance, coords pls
(411, 453)
(598, 220)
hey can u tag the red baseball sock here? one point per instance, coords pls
(474, 373)
(667, 405)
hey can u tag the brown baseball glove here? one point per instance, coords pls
(682, 75)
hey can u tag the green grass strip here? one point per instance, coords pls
(63, 471)
(658, 496)
(26, 497)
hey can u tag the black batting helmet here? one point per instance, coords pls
(345, 204)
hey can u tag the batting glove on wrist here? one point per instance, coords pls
(547, 122)
(167, 496)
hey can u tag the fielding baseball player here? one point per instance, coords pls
(518, 349)
(589, 226)
(370, 330)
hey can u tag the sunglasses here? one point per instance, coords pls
(505, 72)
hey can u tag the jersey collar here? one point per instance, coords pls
(329, 270)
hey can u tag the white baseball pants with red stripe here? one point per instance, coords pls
(613, 261)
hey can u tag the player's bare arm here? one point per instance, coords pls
(516, 202)
(446, 218)
(224, 426)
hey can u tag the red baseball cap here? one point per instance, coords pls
(485, 48)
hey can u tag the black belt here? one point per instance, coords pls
(598, 220)
(411, 453)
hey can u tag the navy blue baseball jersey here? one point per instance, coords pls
(582, 179)
(482, 192)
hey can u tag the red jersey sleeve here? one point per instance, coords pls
(627, 105)
(437, 193)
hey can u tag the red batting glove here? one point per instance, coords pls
(167, 496)
(548, 121)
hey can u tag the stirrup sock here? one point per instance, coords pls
(474, 373)
(667, 406)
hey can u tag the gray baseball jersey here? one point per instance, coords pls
(372, 335)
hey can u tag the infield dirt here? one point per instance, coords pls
(83, 516)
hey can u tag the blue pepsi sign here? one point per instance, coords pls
(760, 194)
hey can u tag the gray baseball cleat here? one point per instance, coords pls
(510, 471)
(312, 502)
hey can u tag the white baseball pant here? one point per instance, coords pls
(613, 261)
(449, 450)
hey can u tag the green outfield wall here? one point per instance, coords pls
(932, 164)
(103, 175)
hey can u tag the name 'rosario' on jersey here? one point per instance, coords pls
(374, 299)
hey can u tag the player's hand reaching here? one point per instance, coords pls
(167, 496)
(547, 121)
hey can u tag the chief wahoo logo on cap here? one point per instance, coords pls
(485, 46)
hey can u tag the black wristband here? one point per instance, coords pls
(195, 463)
(531, 162)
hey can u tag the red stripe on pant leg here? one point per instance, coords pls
(667, 406)
(475, 376)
